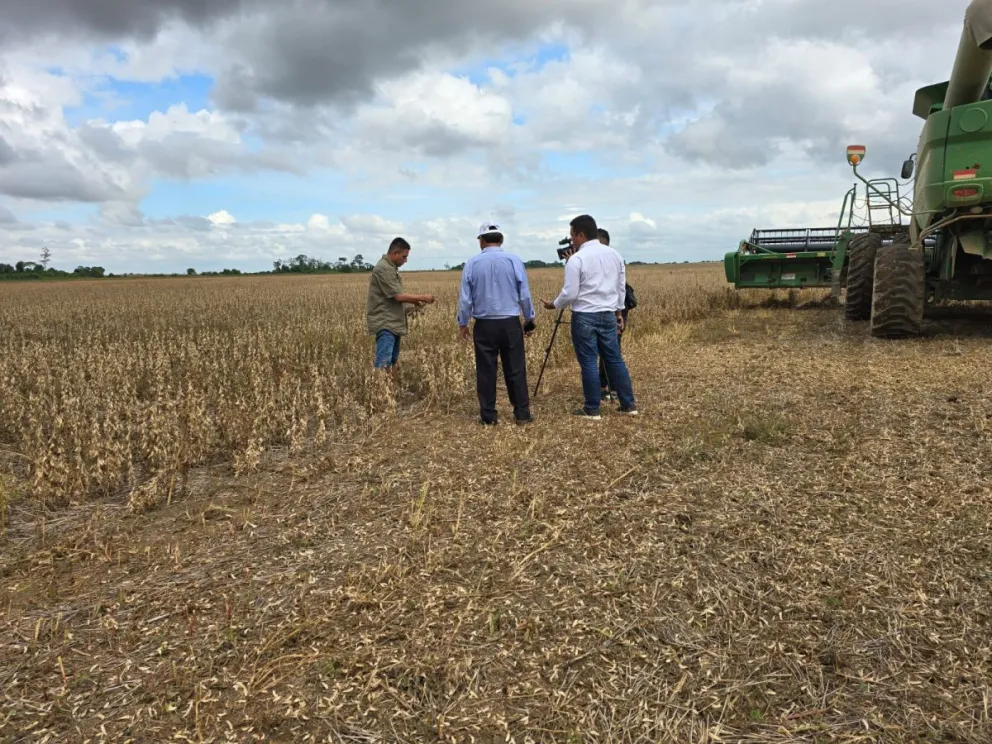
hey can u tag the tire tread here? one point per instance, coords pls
(860, 275)
(899, 289)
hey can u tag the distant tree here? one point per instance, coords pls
(358, 264)
(46, 255)
(191, 272)
(91, 271)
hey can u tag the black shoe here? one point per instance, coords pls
(632, 411)
(582, 412)
(494, 422)
(525, 421)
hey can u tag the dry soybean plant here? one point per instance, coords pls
(120, 387)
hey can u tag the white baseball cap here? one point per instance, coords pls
(487, 227)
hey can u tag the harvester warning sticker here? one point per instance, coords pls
(962, 175)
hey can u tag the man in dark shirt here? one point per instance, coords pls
(604, 379)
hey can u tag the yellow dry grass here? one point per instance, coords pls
(219, 525)
(122, 387)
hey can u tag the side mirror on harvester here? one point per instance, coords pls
(907, 169)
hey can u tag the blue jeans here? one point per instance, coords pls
(387, 349)
(594, 335)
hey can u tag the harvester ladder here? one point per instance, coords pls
(881, 200)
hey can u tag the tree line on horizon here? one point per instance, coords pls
(37, 270)
(301, 264)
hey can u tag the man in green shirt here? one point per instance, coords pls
(385, 315)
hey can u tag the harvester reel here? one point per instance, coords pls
(899, 290)
(860, 275)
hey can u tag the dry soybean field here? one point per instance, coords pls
(217, 524)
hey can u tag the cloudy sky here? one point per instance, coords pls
(156, 135)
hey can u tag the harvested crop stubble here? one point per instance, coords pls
(790, 544)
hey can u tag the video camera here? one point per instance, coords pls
(563, 251)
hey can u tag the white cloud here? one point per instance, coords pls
(555, 99)
(370, 224)
(641, 226)
(319, 222)
(178, 119)
(223, 217)
(636, 218)
(822, 93)
(43, 157)
(436, 113)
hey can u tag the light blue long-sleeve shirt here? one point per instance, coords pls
(494, 285)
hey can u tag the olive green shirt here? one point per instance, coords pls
(382, 312)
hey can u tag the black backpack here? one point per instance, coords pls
(630, 300)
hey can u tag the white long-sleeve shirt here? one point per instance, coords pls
(595, 280)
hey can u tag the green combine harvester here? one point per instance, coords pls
(889, 269)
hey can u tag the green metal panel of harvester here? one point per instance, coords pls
(899, 254)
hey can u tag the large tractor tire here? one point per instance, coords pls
(900, 289)
(860, 275)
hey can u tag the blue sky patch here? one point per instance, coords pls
(550, 53)
(587, 165)
(116, 100)
(117, 53)
(508, 59)
(279, 197)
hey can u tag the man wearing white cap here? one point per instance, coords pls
(494, 291)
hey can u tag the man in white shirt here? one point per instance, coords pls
(595, 288)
